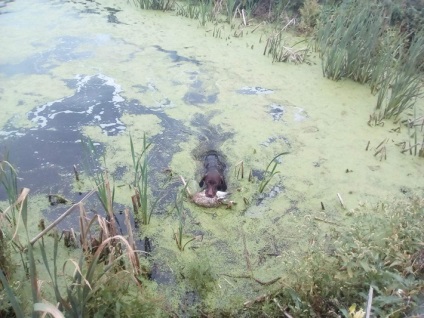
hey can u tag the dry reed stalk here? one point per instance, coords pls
(131, 240)
(60, 218)
(76, 173)
(341, 200)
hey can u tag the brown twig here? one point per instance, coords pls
(325, 221)
(76, 173)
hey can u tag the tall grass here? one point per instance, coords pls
(105, 188)
(181, 216)
(106, 278)
(405, 81)
(202, 10)
(348, 39)
(164, 5)
(355, 41)
(9, 181)
(140, 167)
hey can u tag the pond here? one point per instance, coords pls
(77, 70)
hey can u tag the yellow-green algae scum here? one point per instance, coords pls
(323, 125)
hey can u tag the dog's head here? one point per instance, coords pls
(213, 182)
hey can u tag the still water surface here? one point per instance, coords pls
(73, 70)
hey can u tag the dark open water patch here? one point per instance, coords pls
(177, 58)
(45, 154)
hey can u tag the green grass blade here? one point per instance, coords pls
(11, 296)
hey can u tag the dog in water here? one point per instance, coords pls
(213, 178)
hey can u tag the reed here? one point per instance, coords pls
(348, 39)
(105, 189)
(404, 85)
(181, 216)
(164, 5)
(356, 42)
(280, 51)
(140, 167)
(270, 171)
(9, 181)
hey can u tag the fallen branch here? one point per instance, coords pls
(60, 218)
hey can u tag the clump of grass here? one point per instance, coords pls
(9, 181)
(348, 39)
(281, 51)
(356, 42)
(105, 188)
(181, 217)
(106, 279)
(270, 172)
(202, 10)
(200, 275)
(309, 13)
(164, 5)
(404, 84)
(140, 166)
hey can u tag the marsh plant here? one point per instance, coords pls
(309, 13)
(9, 182)
(382, 248)
(202, 10)
(181, 219)
(403, 85)
(106, 279)
(164, 5)
(140, 167)
(200, 275)
(270, 171)
(281, 51)
(356, 41)
(105, 189)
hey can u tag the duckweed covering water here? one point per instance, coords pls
(76, 74)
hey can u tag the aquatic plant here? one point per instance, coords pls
(140, 166)
(200, 275)
(348, 38)
(404, 82)
(105, 189)
(270, 172)
(106, 279)
(202, 10)
(164, 5)
(309, 14)
(356, 42)
(181, 216)
(9, 181)
(281, 51)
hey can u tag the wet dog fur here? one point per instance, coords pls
(213, 179)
